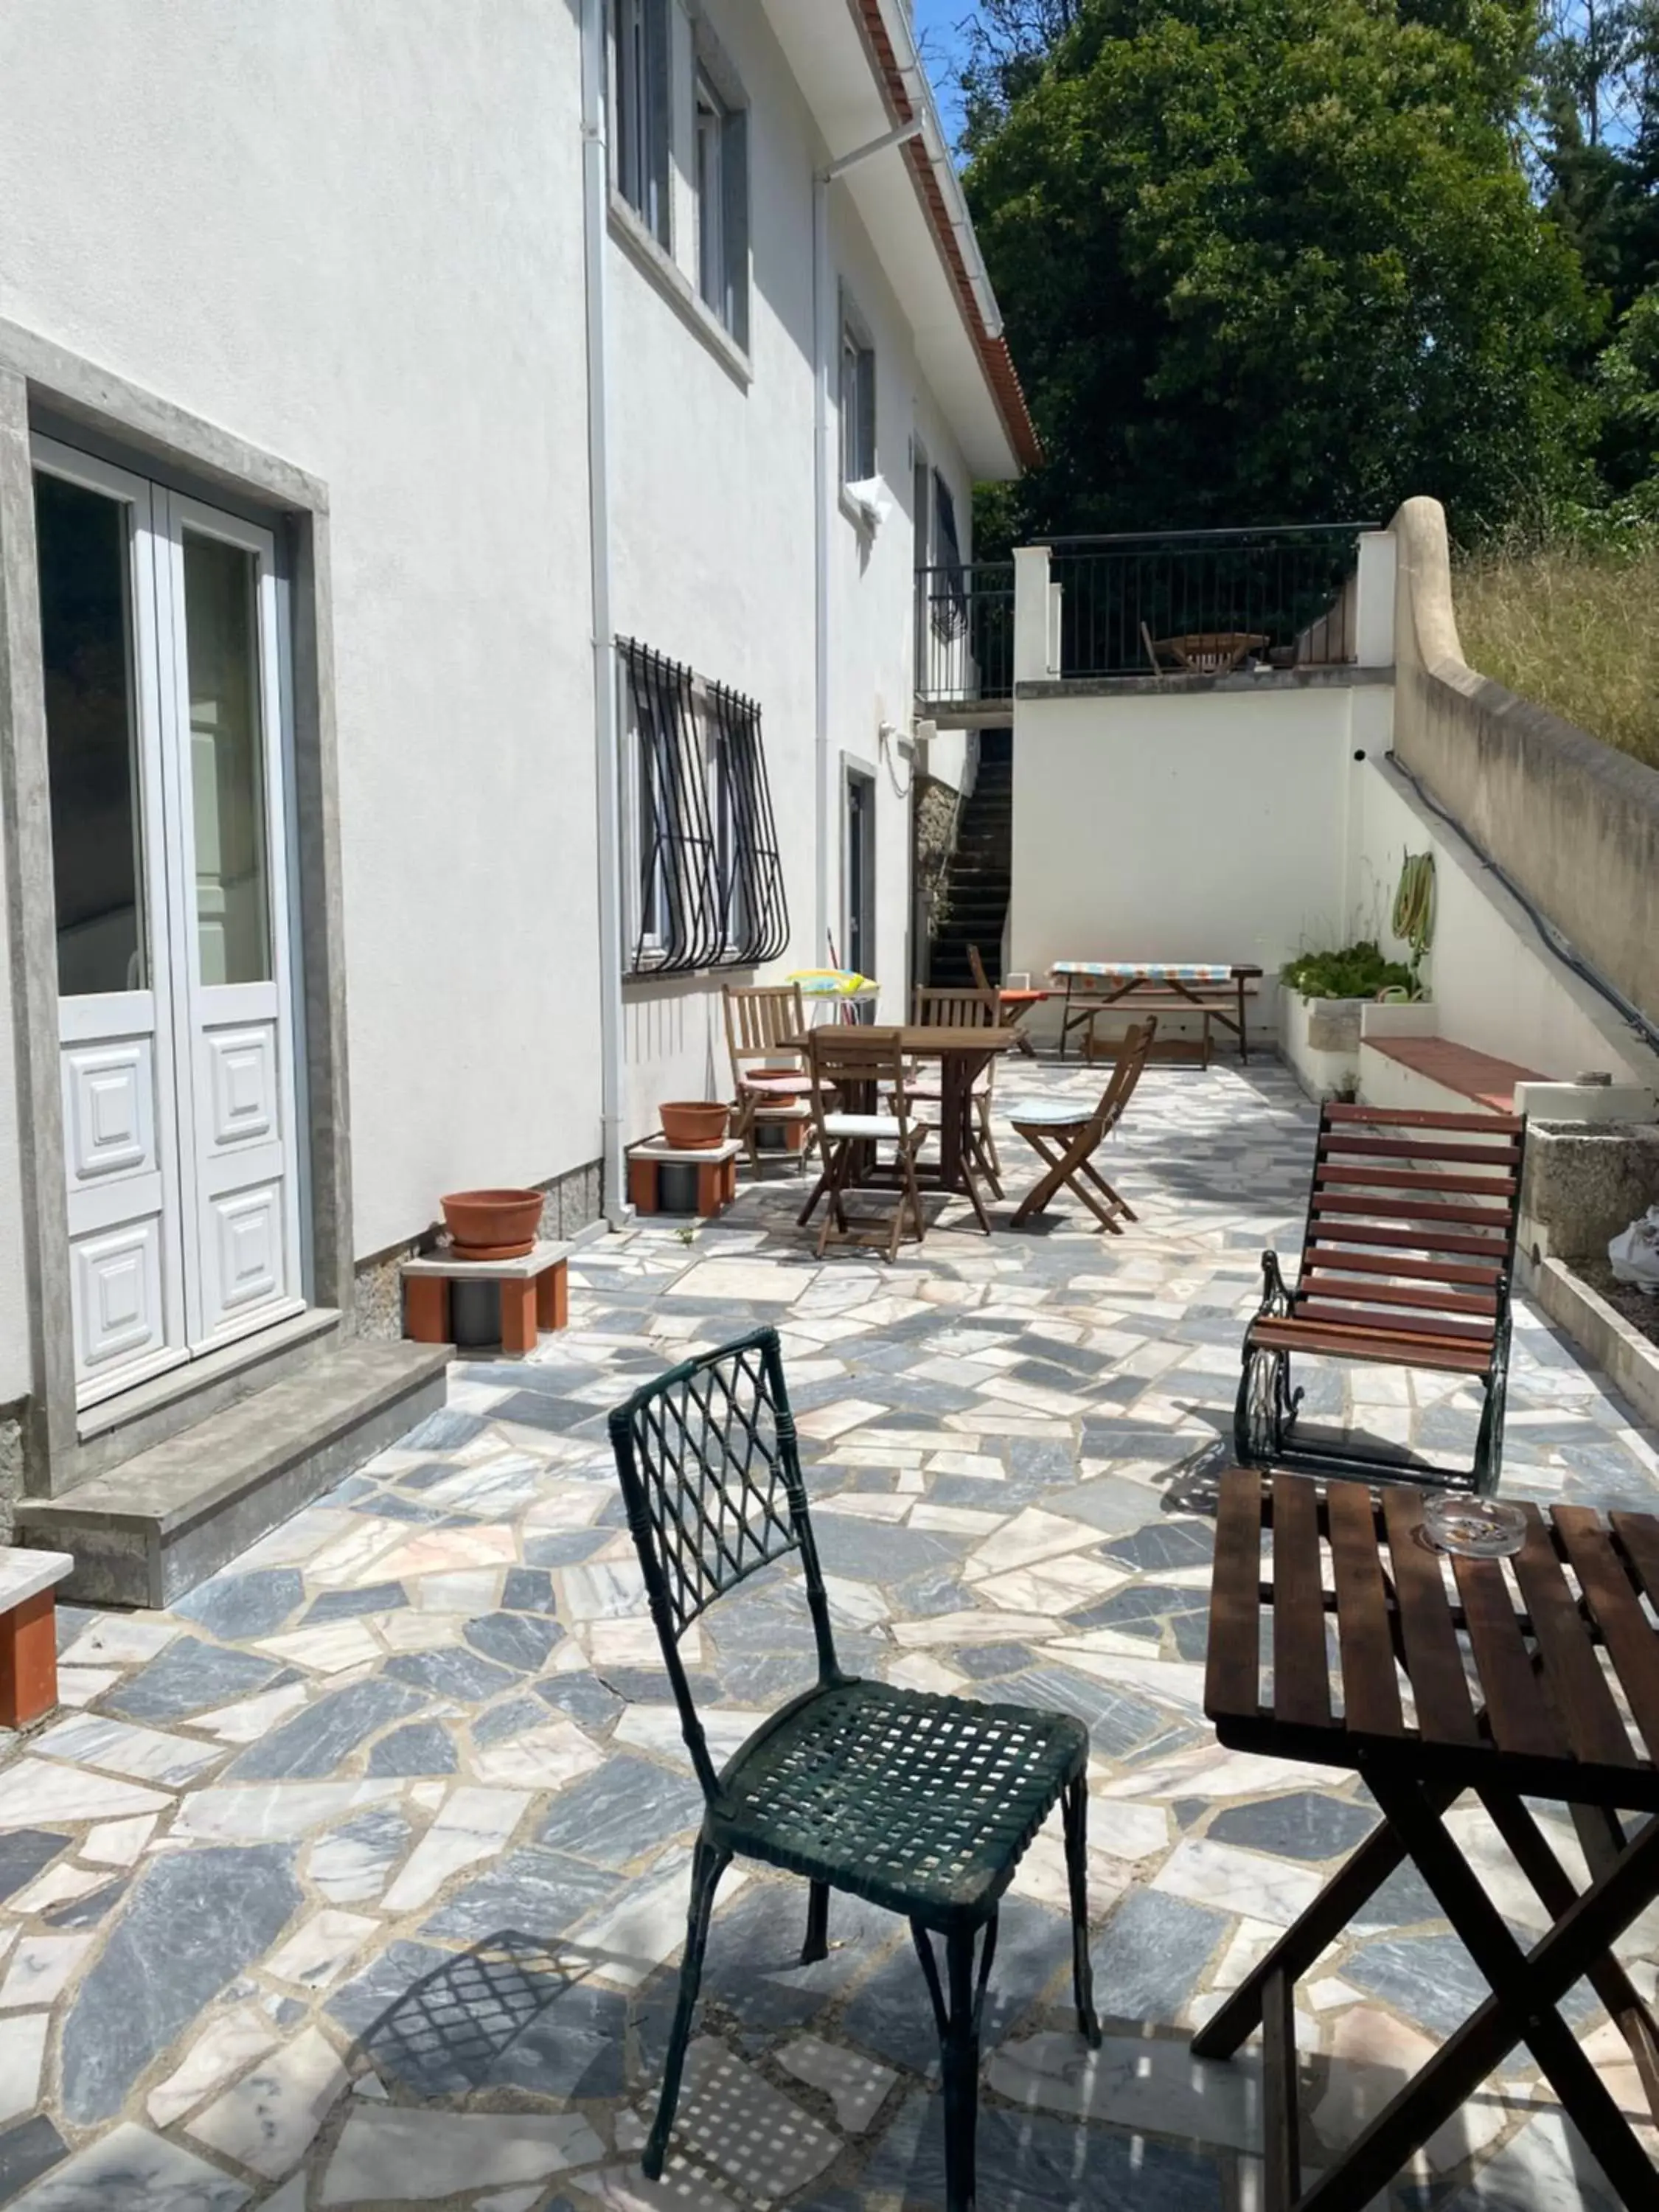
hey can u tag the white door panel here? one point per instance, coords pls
(109, 1110)
(118, 1279)
(234, 1035)
(178, 1061)
(240, 1070)
(94, 528)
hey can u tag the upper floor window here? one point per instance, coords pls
(642, 110)
(720, 176)
(858, 400)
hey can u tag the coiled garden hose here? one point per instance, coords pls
(1413, 904)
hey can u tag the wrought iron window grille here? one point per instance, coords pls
(707, 877)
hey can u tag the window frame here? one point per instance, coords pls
(856, 397)
(704, 876)
(643, 113)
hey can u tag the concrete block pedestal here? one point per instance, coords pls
(29, 1633)
(534, 1288)
(710, 1172)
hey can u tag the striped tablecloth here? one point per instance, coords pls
(1149, 971)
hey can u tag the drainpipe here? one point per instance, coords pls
(825, 337)
(596, 179)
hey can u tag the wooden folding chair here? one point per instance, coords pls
(1007, 1015)
(761, 1022)
(936, 1007)
(867, 1074)
(1068, 1141)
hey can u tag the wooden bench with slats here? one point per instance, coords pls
(1407, 1262)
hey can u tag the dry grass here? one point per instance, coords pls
(1571, 630)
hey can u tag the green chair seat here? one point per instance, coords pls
(921, 1804)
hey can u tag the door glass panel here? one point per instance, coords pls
(221, 638)
(86, 637)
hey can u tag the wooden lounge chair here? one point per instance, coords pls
(846, 1062)
(1407, 1262)
(761, 1021)
(1067, 1138)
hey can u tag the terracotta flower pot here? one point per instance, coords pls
(493, 1225)
(693, 1124)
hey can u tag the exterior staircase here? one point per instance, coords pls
(975, 905)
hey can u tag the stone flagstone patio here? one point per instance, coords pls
(358, 1878)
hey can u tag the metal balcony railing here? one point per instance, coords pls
(1206, 600)
(966, 634)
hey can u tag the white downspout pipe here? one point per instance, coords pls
(595, 181)
(825, 337)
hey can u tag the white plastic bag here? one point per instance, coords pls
(1635, 1253)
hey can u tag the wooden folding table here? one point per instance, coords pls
(1540, 1682)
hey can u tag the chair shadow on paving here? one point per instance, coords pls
(511, 2010)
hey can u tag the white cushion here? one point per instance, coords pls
(886, 1126)
(775, 1086)
(1055, 1113)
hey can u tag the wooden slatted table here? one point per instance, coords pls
(1452, 1674)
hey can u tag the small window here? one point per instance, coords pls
(722, 198)
(707, 880)
(858, 404)
(642, 110)
(949, 584)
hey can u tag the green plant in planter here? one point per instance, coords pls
(1357, 971)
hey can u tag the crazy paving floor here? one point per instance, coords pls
(359, 1877)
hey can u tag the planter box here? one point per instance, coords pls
(1320, 1038)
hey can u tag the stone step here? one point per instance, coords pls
(166, 1519)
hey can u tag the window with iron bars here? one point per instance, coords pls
(706, 877)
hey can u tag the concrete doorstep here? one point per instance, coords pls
(161, 1521)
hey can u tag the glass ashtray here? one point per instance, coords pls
(1472, 1528)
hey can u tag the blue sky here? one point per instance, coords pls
(936, 26)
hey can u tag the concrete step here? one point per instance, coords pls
(166, 1519)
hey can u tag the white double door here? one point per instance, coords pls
(159, 629)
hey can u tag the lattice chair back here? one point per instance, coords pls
(711, 1478)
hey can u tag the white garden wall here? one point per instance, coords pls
(1495, 985)
(1186, 823)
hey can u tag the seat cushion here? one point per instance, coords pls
(922, 1804)
(886, 1126)
(1051, 1113)
(775, 1086)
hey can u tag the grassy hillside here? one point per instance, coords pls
(1574, 630)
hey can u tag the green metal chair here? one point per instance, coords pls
(923, 1805)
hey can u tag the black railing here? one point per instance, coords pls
(965, 632)
(1207, 601)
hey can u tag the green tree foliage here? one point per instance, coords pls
(1627, 381)
(1275, 259)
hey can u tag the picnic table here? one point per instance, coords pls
(1208, 987)
(963, 1055)
(1450, 1677)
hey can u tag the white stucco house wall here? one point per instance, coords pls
(367, 377)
